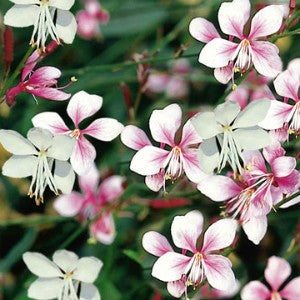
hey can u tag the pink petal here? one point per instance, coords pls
(157, 82)
(203, 30)
(277, 271)
(287, 84)
(156, 181)
(219, 188)
(164, 123)
(254, 162)
(103, 229)
(266, 21)
(233, 16)
(83, 105)
(177, 87)
(277, 115)
(191, 165)
(189, 135)
(266, 59)
(292, 290)
(273, 151)
(219, 235)
(217, 53)
(89, 181)
(217, 269)
(186, 230)
(111, 188)
(134, 137)
(51, 121)
(83, 156)
(224, 74)
(256, 229)
(290, 183)
(240, 95)
(30, 64)
(283, 166)
(170, 267)
(149, 160)
(49, 93)
(68, 205)
(88, 26)
(176, 288)
(104, 129)
(255, 290)
(156, 244)
(44, 75)
(262, 92)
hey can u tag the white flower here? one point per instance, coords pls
(36, 157)
(49, 17)
(66, 278)
(231, 130)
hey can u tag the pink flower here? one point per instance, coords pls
(94, 197)
(81, 106)
(221, 53)
(89, 19)
(41, 82)
(157, 163)
(276, 273)
(206, 292)
(286, 85)
(185, 230)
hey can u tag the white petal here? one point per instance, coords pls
(15, 143)
(208, 155)
(64, 176)
(66, 26)
(62, 147)
(19, 166)
(45, 289)
(21, 15)
(256, 229)
(88, 269)
(41, 138)
(62, 4)
(227, 112)
(66, 260)
(89, 292)
(40, 265)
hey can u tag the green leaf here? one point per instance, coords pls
(133, 255)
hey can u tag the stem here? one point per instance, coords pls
(287, 199)
(275, 37)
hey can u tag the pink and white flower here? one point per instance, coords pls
(41, 82)
(230, 56)
(94, 197)
(276, 273)
(203, 263)
(286, 85)
(81, 106)
(90, 18)
(160, 164)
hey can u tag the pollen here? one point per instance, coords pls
(75, 133)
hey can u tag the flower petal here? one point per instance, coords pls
(66, 26)
(21, 15)
(255, 290)
(291, 202)
(66, 260)
(256, 229)
(111, 188)
(208, 155)
(49, 93)
(83, 156)
(89, 292)
(40, 265)
(88, 269)
(149, 160)
(226, 112)
(43, 75)
(61, 4)
(30, 64)
(219, 235)
(266, 59)
(287, 84)
(176, 288)
(156, 244)
(164, 123)
(156, 181)
(51, 121)
(62, 147)
(134, 137)
(291, 291)
(219, 188)
(19, 166)
(189, 135)
(104, 129)
(254, 112)
(218, 272)
(170, 267)
(64, 176)
(68, 205)
(45, 288)
(233, 17)
(89, 181)
(283, 166)
(15, 143)
(203, 30)
(83, 105)
(40, 138)
(186, 230)
(266, 21)
(224, 74)
(217, 53)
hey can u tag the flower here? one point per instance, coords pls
(41, 82)
(220, 53)
(81, 106)
(185, 230)
(160, 163)
(90, 18)
(206, 292)
(36, 157)
(276, 273)
(286, 85)
(49, 17)
(94, 197)
(66, 278)
(234, 130)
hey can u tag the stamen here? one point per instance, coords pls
(175, 166)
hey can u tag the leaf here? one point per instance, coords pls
(133, 255)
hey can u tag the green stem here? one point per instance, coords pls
(287, 199)
(275, 37)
